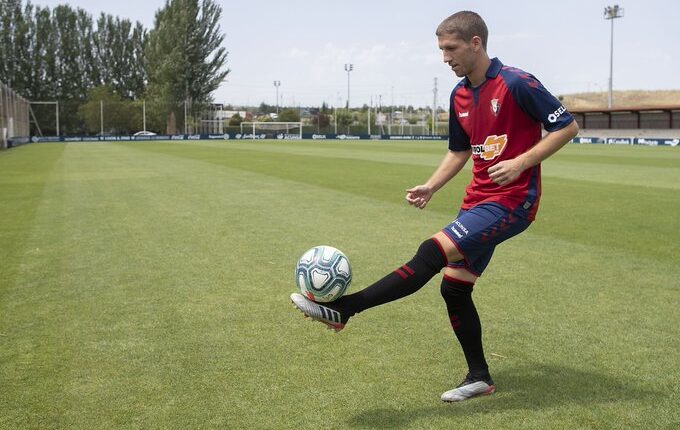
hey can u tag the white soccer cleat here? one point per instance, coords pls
(317, 312)
(470, 387)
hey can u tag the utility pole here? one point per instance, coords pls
(186, 97)
(434, 109)
(382, 128)
(389, 123)
(369, 116)
(611, 13)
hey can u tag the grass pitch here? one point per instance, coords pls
(145, 285)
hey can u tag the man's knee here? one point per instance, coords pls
(455, 290)
(452, 253)
(432, 254)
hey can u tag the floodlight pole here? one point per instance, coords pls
(611, 13)
(101, 117)
(144, 112)
(277, 84)
(348, 68)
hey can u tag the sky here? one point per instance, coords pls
(305, 44)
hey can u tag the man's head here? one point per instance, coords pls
(462, 38)
(465, 25)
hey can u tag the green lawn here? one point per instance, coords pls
(145, 286)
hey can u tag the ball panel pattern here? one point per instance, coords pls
(323, 273)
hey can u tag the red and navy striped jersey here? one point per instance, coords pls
(499, 120)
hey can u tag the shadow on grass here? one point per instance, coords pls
(520, 388)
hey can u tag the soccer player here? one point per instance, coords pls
(496, 117)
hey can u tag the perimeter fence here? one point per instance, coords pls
(14, 118)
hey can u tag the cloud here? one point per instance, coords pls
(391, 71)
(296, 53)
(514, 36)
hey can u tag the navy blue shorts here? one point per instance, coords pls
(477, 231)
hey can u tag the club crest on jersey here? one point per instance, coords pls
(492, 147)
(495, 107)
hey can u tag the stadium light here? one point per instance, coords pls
(277, 84)
(611, 13)
(348, 68)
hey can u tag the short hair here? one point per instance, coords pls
(466, 25)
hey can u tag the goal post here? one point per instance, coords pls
(273, 130)
(34, 120)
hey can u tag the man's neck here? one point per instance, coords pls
(478, 76)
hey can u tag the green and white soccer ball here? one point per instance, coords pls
(323, 274)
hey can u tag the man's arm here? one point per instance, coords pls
(449, 167)
(507, 171)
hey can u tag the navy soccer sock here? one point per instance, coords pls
(407, 279)
(465, 323)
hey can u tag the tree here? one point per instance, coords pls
(289, 115)
(71, 78)
(266, 109)
(344, 118)
(184, 56)
(58, 55)
(235, 120)
(321, 121)
(119, 54)
(14, 39)
(121, 116)
(43, 56)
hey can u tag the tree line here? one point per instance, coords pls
(63, 54)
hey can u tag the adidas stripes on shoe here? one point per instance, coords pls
(318, 312)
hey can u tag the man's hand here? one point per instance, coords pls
(505, 172)
(450, 165)
(418, 196)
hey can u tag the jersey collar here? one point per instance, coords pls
(491, 73)
(494, 68)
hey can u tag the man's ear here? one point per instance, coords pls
(476, 43)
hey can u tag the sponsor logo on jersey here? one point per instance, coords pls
(552, 118)
(463, 114)
(492, 147)
(495, 107)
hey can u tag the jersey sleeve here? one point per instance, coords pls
(458, 139)
(537, 102)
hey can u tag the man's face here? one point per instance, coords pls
(458, 54)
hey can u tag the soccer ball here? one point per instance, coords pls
(323, 274)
